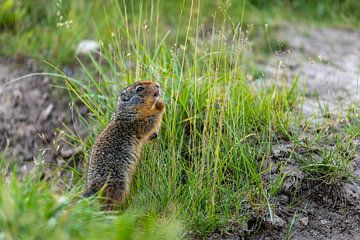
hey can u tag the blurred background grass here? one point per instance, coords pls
(51, 29)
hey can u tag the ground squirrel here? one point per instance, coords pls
(116, 151)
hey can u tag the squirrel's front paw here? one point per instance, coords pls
(159, 105)
(153, 136)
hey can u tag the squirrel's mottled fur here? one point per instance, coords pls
(116, 151)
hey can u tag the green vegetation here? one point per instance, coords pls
(332, 152)
(217, 130)
(31, 209)
(50, 30)
(206, 171)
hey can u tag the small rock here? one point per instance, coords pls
(87, 46)
(293, 171)
(351, 193)
(283, 198)
(67, 151)
(276, 221)
(46, 80)
(304, 221)
(323, 221)
(282, 149)
(289, 184)
(69, 71)
(275, 168)
(46, 112)
(17, 95)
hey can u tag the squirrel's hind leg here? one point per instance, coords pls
(113, 197)
(90, 191)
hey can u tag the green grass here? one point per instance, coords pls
(31, 209)
(332, 151)
(206, 171)
(208, 164)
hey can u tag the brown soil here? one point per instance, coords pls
(312, 209)
(31, 111)
(327, 62)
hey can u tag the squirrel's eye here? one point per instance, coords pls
(139, 89)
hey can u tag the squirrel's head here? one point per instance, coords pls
(140, 97)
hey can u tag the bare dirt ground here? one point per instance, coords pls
(31, 111)
(312, 209)
(327, 62)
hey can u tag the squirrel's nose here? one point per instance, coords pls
(157, 90)
(157, 93)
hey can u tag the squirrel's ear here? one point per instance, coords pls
(124, 97)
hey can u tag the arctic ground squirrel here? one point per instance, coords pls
(116, 151)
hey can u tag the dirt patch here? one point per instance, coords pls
(31, 111)
(327, 61)
(311, 209)
(329, 217)
(317, 215)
